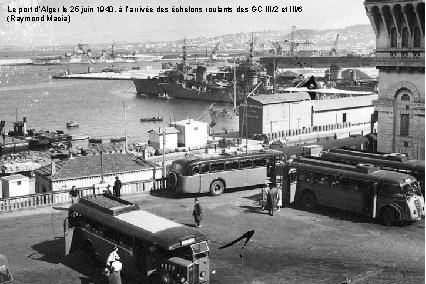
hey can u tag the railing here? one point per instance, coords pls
(63, 196)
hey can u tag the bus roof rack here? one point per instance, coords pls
(361, 167)
(109, 204)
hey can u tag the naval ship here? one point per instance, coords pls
(225, 85)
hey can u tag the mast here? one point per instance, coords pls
(235, 89)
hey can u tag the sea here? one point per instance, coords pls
(103, 108)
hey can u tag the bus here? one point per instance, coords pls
(386, 161)
(214, 174)
(386, 195)
(152, 249)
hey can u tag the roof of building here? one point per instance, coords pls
(281, 98)
(189, 122)
(167, 130)
(89, 166)
(15, 177)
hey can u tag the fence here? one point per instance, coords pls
(63, 196)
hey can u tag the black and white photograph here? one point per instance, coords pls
(212, 141)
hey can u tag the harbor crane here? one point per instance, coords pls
(213, 53)
(278, 47)
(333, 50)
(293, 44)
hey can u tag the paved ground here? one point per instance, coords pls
(293, 246)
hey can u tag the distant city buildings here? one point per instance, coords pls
(400, 57)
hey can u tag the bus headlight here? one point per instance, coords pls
(183, 280)
(202, 274)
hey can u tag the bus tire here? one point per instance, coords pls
(308, 200)
(389, 216)
(217, 187)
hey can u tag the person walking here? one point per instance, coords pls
(74, 194)
(279, 198)
(117, 187)
(264, 194)
(197, 213)
(116, 267)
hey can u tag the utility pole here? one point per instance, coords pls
(164, 153)
(102, 167)
(125, 127)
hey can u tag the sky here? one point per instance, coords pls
(103, 27)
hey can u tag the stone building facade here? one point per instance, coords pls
(400, 57)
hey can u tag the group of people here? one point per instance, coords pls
(74, 192)
(112, 271)
(272, 198)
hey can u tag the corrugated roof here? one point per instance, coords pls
(167, 130)
(281, 98)
(87, 166)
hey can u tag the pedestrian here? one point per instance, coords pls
(117, 187)
(112, 256)
(279, 198)
(264, 196)
(271, 200)
(74, 194)
(116, 267)
(197, 213)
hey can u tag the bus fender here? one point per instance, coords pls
(390, 206)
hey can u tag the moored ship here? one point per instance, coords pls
(226, 85)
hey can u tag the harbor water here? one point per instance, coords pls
(97, 105)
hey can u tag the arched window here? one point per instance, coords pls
(393, 37)
(417, 37)
(405, 97)
(404, 42)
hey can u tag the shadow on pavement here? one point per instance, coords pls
(60, 208)
(253, 209)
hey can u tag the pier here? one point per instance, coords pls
(124, 75)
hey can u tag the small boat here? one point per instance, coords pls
(154, 118)
(71, 124)
(118, 139)
(79, 137)
(95, 140)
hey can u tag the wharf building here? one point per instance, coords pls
(292, 115)
(400, 58)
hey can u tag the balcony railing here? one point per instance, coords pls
(63, 196)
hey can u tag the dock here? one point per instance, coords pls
(124, 75)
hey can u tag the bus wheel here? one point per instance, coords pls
(389, 216)
(217, 187)
(309, 201)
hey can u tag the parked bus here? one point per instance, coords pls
(365, 189)
(387, 161)
(217, 173)
(151, 248)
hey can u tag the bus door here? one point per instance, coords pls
(139, 257)
(68, 234)
(289, 183)
(370, 200)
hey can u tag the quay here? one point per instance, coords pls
(123, 75)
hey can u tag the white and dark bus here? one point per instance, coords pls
(364, 189)
(151, 248)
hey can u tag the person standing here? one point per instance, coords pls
(271, 200)
(116, 267)
(74, 194)
(279, 198)
(112, 256)
(264, 194)
(117, 187)
(197, 213)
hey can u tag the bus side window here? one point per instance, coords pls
(195, 170)
(245, 164)
(259, 162)
(233, 165)
(204, 168)
(216, 167)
